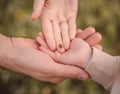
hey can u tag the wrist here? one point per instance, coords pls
(5, 49)
(87, 58)
(101, 64)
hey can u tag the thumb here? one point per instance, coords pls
(37, 8)
(68, 71)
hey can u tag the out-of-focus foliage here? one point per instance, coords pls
(15, 21)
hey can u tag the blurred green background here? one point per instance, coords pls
(15, 20)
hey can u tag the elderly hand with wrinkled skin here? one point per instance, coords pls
(80, 51)
(58, 21)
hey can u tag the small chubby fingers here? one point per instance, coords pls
(72, 28)
(94, 39)
(65, 34)
(41, 41)
(41, 35)
(48, 33)
(79, 31)
(86, 33)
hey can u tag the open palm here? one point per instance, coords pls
(58, 21)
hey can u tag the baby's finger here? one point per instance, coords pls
(94, 39)
(86, 33)
(41, 41)
(79, 31)
(48, 33)
(41, 35)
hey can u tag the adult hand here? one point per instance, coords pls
(58, 21)
(24, 57)
(80, 52)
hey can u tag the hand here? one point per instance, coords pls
(58, 21)
(80, 52)
(24, 57)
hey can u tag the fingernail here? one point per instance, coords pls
(60, 46)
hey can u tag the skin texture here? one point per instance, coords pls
(80, 51)
(58, 21)
(22, 55)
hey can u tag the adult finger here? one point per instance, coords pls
(48, 33)
(65, 34)
(86, 33)
(55, 80)
(94, 39)
(51, 79)
(58, 37)
(68, 71)
(37, 8)
(72, 28)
